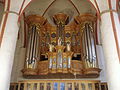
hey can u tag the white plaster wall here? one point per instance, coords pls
(18, 64)
(21, 63)
(101, 62)
(14, 68)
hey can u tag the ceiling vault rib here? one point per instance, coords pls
(21, 6)
(49, 7)
(74, 6)
(55, 1)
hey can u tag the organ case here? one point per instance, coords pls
(67, 49)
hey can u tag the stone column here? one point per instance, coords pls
(8, 38)
(7, 49)
(110, 51)
(110, 35)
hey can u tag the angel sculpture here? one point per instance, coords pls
(51, 47)
(59, 41)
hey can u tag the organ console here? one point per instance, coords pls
(66, 49)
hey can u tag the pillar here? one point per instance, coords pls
(110, 51)
(8, 37)
(110, 40)
(7, 49)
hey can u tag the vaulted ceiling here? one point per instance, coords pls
(48, 8)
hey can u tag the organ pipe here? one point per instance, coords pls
(32, 43)
(37, 47)
(89, 53)
(28, 48)
(33, 47)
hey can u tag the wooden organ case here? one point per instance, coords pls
(64, 50)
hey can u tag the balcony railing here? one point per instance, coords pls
(58, 85)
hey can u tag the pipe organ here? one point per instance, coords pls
(66, 49)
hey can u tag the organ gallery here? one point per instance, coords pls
(66, 49)
(60, 45)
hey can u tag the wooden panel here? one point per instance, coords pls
(43, 67)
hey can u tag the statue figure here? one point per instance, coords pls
(59, 41)
(68, 47)
(51, 47)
